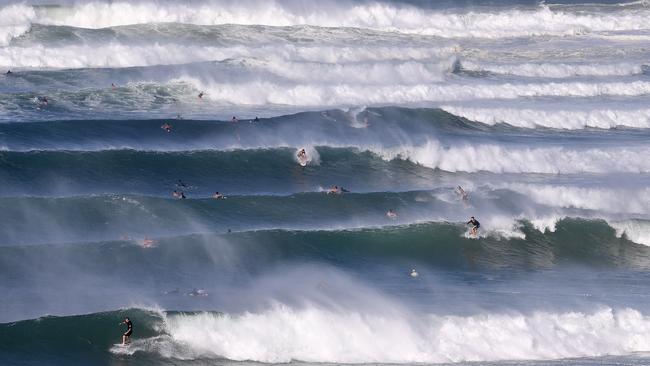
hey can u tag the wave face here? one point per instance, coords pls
(291, 182)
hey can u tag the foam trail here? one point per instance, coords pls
(313, 334)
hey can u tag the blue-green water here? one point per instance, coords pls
(119, 122)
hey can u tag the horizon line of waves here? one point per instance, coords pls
(433, 154)
(390, 337)
(108, 217)
(541, 20)
(431, 246)
(126, 56)
(181, 94)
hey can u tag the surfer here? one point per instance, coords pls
(147, 243)
(8, 72)
(302, 154)
(176, 194)
(475, 225)
(218, 196)
(201, 95)
(113, 85)
(127, 335)
(42, 101)
(391, 214)
(167, 127)
(334, 190)
(256, 119)
(234, 119)
(464, 196)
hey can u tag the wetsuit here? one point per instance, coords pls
(474, 223)
(130, 328)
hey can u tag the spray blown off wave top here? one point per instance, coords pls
(293, 182)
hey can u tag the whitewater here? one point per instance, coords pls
(151, 168)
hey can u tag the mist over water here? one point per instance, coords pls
(120, 121)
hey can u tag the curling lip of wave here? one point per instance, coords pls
(504, 159)
(568, 119)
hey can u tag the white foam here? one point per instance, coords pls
(407, 60)
(612, 200)
(556, 70)
(515, 159)
(373, 15)
(555, 118)
(313, 334)
(14, 20)
(317, 95)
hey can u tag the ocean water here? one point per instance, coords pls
(539, 110)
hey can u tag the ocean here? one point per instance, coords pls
(531, 116)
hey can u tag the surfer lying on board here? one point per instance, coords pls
(167, 127)
(218, 196)
(127, 335)
(475, 225)
(337, 190)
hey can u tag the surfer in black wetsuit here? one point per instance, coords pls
(129, 331)
(475, 225)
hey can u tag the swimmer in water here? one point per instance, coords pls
(113, 85)
(167, 127)
(218, 196)
(183, 196)
(234, 119)
(256, 119)
(475, 225)
(129, 330)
